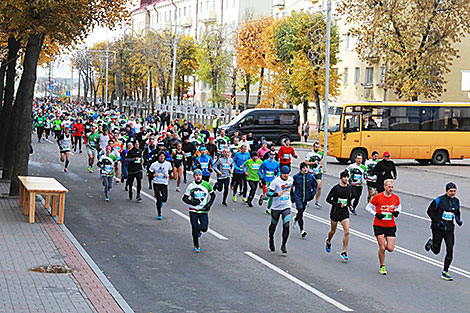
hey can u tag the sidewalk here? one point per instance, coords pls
(24, 246)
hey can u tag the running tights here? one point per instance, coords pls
(199, 223)
(275, 216)
(448, 236)
(239, 180)
(161, 194)
(130, 182)
(299, 218)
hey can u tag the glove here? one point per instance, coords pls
(380, 216)
(459, 222)
(195, 202)
(395, 213)
(207, 208)
(263, 181)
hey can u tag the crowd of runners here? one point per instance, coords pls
(127, 149)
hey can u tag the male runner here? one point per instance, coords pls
(106, 163)
(443, 211)
(268, 170)
(386, 207)
(65, 143)
(357, 172)
(285, 153)
(304, 189)
(161, 173)
(92, 145)
(340, 199)
(314, 160)
(134, 170)
(370, 177)
(224, 169)
(251, 171)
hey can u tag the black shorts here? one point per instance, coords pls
(371, 185)
(387, 231)
(339, 215)
(318, 176)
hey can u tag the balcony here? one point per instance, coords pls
(208, 17)
(188, 21)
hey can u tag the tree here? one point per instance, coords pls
(415, 39)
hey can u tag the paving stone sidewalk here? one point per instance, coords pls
(24, 246)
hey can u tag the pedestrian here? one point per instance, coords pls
(40, 122)
(161, 170)
(92, 145)
(286, 152)
(280, 191)
(357, 172)
(370, 177)
(215, 125)
(224, 170)
(306, 130)
(251, 171)
(177, 162)
(205, 163)
(106, 164)
(199, 196)
(304, 189)
(385, 169)
(385, 206)
(340, 197)
(443, 211)
(314, 160)
(134, 170)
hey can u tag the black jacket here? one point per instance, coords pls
(134, 159)
(440, 211)
(385, 170)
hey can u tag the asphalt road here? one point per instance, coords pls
(152, 265)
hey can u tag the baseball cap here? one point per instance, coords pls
(211, 138)
(374, 152)
(285, 169)
(386, 154)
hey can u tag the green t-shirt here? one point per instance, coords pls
(356, 174)
(252, 168)
(57, 122)
(93, 140)
(40, 121)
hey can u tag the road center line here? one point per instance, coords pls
(302, 284)
(402, 250)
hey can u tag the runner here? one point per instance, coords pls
(314, 160)
(386, 207)
(268, 170)
(304, 189)
(77, 131)
(370, 177)
(385, 169)
(442, 211)
(178, 160)
(239, 176)
(40, 123)
(57, 126)
(285, 153)
(340, 197)
(161, 170)
(199, 196)
(65, 143)
(189, 149)
(106, 163)
(92, 145)
(280, 190)
(205, 163)
(134, 170)
(224, 169)
(125, 163)
(357, 172)
(149, 154)
(251, 171)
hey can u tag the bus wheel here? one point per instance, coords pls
(358, 152)
(423, 161)
(440, 157)
(342, 160)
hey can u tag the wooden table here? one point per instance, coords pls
(30, 186)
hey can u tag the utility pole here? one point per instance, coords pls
(174, 65)
(327, 84)
(120, 81)
(106, 87)
(50, 80)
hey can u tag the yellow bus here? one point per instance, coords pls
(426, 131)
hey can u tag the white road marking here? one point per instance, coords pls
(427, 219)
(210, 231)
(302, 284)
(405, 251)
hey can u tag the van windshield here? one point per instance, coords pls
(237, 119)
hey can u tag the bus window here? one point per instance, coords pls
(404, 118)
(351, 123)
(268, 119)
(461, 119)
(435, 118)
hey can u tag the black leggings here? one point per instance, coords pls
(130, 182)
(223, 183)
(161, 193)
(253, 186)
(356, 195)
(57, 133)
(39, 131)
(199, 223)
(240, 180)
(187, 165)
(299, 218)
(79, 139)
(275, 215)
(47, 132)
(448, 236)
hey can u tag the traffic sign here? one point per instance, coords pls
(67, 93)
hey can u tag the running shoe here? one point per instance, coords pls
(261, 200)
(244, 200)
(106, 199)
(197, 249)
(178, 189)
(234, 198)
(90, 169)
(344, 256)
(139, 199)
(294, 225)
(327, 246)
(65, 169)
(428, 244)
(159, 217)
(283, 248)
(271, 245)
(185, 181)
(224, 203)
(353, 212)
(199, 234)
(382, 270)
(303, 233)
(446, 276)
(249, 204)
(268, 212)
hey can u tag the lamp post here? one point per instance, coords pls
(175, 46)
(327, 84)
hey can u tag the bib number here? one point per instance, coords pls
(447, 216)
(204, 165)
(187, 154)
(286, 156)
(179, 157)
(255, 166)
(225, 166)
(387, 217)
(269, 173)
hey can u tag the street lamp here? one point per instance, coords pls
(327, 84)
(175, 45)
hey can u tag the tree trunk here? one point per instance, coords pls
(247, 91)
(305, 110)
(24, 108)
(260, 89)
(234, 87)
(3, 68)
(318, 108)
(6, 131)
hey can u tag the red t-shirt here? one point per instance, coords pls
(385, 205)
(285, 154)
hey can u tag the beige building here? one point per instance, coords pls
(363, 81)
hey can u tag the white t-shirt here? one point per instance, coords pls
(160, 169)
(279, 185)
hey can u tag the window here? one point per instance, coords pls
(345, 75)
(248, 121)
(267, 119)
(382, 75)
(351, 123)
(357, 75)
(461, 119)
(346, 42)
(369, 77)
(288, 118)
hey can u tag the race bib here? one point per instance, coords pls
(286, 156)
(447, 216)
(269, 173)
(285, 197)
(187, 154)
(160, 175)
(343, 201)
(255, 166)
(108, 168)
(179, 156)
(199, 195)
(225, 166)
(204, 165)
(388, 216)
(357, 177)
(138, 160)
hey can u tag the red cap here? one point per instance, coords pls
(211, 138)
(386, 154)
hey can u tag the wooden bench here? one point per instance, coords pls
(31, 186)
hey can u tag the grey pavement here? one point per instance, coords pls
(152, 265)
(24, 246)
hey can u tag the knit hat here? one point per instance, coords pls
(450, 186)
(285, 169)
(344, 173)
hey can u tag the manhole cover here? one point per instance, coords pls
(53, 269)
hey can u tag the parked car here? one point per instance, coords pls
(274, 124)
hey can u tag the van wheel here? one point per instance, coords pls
(283, 139)
(342, 160)
(440, 157)
(423, 161)
(360, 152)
